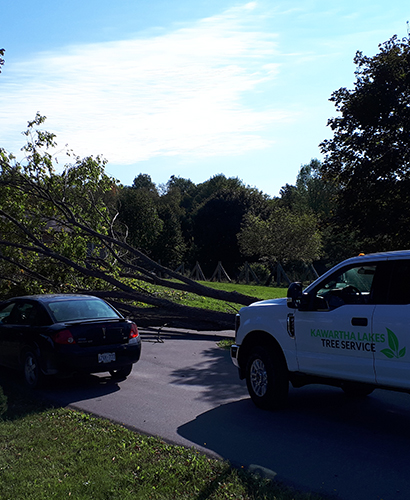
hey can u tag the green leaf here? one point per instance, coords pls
(388, 353)
(402, 352)
(393, 341)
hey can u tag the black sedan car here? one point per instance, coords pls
(65, 334)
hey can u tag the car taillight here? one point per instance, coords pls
(133, 334)
(63, 337)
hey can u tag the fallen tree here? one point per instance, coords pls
(60, 232)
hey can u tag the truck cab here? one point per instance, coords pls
(349, 328)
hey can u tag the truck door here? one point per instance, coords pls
(334, 337)
(391, 323)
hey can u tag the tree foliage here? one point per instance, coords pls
(284, 236)
(312, 193)
(369, 154)
(153, 221)
(138, 211)
(217, 221)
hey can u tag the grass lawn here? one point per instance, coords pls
(190, 299)
(56, 453)
(260, 292)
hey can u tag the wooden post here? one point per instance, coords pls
(247, 270)
(220, 271)
(197, 273)
(314, 271)
(180, 269)
(281, 274)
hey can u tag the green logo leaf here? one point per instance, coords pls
(388, 353)
(393, 341)
(393, 352)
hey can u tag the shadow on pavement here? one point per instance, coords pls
(322, 442)
(215, 374)
(55, 391)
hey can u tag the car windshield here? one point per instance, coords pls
(71, 310)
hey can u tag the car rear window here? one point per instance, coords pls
(71, 310)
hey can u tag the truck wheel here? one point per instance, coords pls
(267, 378)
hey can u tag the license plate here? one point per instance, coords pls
(106, 357)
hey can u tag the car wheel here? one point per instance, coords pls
(357, 390)
(121, 373)
(31, 370)
(267, 378)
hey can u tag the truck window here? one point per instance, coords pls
(391, 284)
(350, 285)
(399, 287)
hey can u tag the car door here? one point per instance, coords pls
(6, 329)
(333, 338)
(391, 322)
(17, 326)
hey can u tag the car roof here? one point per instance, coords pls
(51, 297)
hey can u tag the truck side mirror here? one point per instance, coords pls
(296, 299)
(294, 294)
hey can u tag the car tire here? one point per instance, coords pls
(267, 378)
(121, 373)
(357, 390)
(31, 370)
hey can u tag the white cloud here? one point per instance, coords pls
(184, 92)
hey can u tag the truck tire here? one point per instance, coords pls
(267, 378)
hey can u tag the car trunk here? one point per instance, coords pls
(101, 333)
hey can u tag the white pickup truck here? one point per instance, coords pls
(350, 328)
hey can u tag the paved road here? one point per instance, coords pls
(186, 390)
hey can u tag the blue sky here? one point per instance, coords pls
(184, 88)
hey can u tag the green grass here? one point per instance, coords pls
(260, 292)
(226, 343)
(57, 453)
(193, 300)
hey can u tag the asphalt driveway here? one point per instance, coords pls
(186, 390)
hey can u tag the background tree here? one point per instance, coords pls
(153, 221)
(369, 155)
(169, 248)
(138, 210)
(180, 194)
(311, 194)
(217, 221)
(144, 183)
(283, 237)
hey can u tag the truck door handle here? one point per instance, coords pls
(359, 321)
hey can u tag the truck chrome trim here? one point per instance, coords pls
(234, 354)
